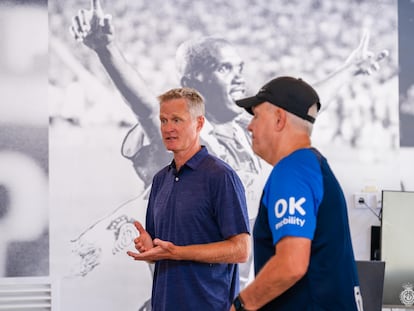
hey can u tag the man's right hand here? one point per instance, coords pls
(144, 241)
(92, 27)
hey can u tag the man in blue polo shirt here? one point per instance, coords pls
(302, 245)
(197, 227)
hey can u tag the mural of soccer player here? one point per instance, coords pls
(212, 66)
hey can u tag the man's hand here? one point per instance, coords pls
(366, 61)
(92, 27)
(144, 242)
(161, 250)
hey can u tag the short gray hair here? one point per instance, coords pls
(194, 99)
(302, 123)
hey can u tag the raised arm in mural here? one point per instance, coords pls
(361, 61)
(96, 31)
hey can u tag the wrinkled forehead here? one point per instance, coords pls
(173, 106)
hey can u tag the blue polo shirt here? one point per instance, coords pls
(302, 198)
(202, 203)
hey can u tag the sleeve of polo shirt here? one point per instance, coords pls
(292, 196)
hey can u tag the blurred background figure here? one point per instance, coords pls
(24, 239)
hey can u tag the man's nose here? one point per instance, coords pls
(168, 126)
(249, 127)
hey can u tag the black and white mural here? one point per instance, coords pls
(108, 60)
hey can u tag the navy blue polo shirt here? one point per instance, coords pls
(202, 203)
(302, 198)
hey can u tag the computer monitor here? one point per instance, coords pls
(397, 247)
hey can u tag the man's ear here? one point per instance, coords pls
(280, 118)
(200, 122)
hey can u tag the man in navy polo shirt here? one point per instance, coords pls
(302, 245)
(197, 227)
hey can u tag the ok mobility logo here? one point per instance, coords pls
(286, 211)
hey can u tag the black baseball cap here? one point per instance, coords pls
(291, 94)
